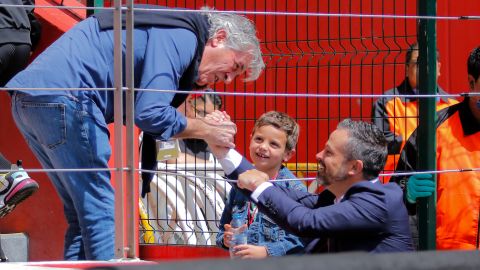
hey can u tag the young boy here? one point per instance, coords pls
(273, 142)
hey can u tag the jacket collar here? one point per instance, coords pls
(405, 89)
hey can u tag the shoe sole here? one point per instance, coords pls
(25, 191)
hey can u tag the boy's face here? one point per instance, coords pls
(268, 149)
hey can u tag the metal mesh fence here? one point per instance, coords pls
(310, 49)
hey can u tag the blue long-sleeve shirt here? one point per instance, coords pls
(161, 55)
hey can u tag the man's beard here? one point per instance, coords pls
(323, 179)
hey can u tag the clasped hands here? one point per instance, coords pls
(221, 132)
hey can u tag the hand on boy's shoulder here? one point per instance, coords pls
(251, 179)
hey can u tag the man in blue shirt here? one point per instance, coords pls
(68, 129)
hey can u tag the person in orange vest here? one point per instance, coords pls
(397, 116)
(458, 148)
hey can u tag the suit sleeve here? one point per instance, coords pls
(380, 119)
(361, 212)
(308, 199)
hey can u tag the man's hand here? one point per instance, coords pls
(251, 179)
(420, 185)
(221, 120)
(250, 252)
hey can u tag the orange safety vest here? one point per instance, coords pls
(458, 194)
(399, 115)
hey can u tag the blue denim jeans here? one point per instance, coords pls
(63, 135)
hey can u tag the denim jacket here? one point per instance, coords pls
(263, 231)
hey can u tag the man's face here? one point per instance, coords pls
(412, 69)
(219, 63)
(474, 88)
(333, 166)
(196, 108)
(268, 149)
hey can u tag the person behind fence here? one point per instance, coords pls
(195, 151)
(272, 142)
(68, 129)
(458, 148)
(19, 35)
(363, 215)
(397, 116)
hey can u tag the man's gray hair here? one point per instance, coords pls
(367, 143)
(241, 36)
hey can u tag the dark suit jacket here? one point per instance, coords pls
(370, 217)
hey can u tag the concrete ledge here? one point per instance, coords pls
(15, 246)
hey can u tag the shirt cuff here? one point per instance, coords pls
(259, 190)
(231, 161)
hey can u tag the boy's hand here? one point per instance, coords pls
(227, 235)
(251, 252)
(251, 179)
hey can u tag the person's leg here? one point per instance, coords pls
(4, 163)
(13, 58)
(64, 136)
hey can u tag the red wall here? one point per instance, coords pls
(315, 55)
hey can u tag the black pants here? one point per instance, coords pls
(13, 58)
(4, 163)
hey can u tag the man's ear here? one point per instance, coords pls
(219, 38)
(357, 167)
(471, 82)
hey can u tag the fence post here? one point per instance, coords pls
(427, 84)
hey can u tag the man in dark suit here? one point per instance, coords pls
(364, 215)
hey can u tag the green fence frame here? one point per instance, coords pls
(427, 50)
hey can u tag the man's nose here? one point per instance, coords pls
(229, 77)
(319, 155)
